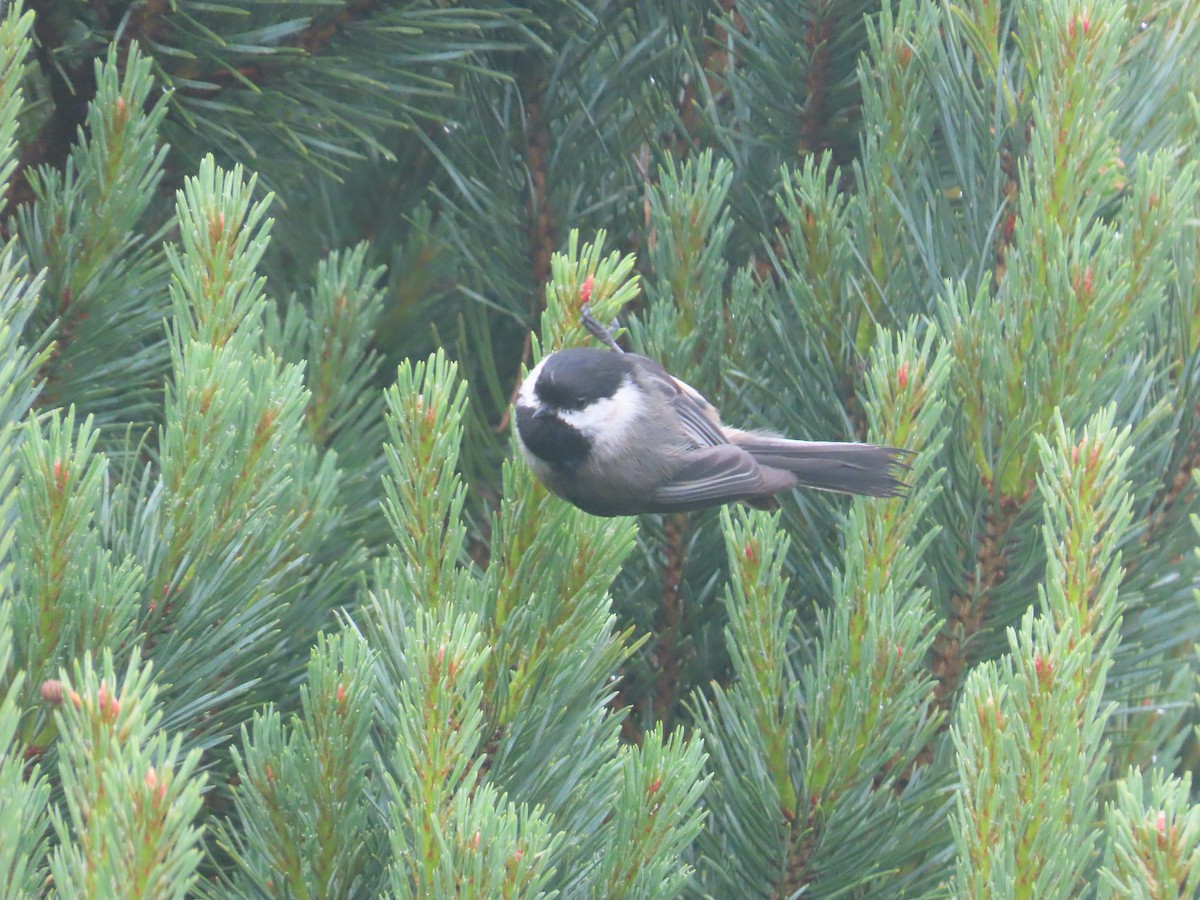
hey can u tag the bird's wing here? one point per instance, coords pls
(715, 475)
(699, 417)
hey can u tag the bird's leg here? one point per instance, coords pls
(598, 331)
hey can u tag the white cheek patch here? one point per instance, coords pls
(525, 397)
(609, 422)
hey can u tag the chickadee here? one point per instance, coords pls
(616, 435)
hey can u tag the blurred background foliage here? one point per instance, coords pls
(968, 228)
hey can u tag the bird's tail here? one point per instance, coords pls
(831, 466)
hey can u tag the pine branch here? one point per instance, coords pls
(1029, 754)
(303, 824)
(1154, 838)
(665, 658)
(24, 787)
(868, 674)
(105, 276)
(131, 797)
(73, 596)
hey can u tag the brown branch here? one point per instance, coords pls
(968, 610)
(802, 842)
(714, 63)
(666, 683)
(815, 114)
(541, 225)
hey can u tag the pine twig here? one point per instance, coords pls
(666, 687)
(969, 610)
(541, 227)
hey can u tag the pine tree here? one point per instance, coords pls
(281, 615)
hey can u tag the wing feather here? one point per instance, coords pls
(716, 475)
(698, 416)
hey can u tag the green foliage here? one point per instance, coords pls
(1154, 838)
(72, 597)
(499, 741)
(302, 813)
(256, 449)
(130, 794)
(1010, 756)
(104, 272)
(24, 821)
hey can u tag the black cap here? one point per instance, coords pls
(576, 378)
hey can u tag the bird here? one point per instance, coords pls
(615, 434)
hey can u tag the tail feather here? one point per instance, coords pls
(830, 466)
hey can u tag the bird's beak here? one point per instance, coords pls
(543, 412)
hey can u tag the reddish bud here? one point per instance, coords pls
(517, 855)
(76, 700)
(1044, 669)
(1160, 823)
(585, 290)
(902, 375)
(151, 779)
(102, 695)
(52, 691)
(269, 772)
(654, 786)
(1075, 456)
(475, 841)
(1085, 23)
(751, 551)
(216, 227)
(1087, 280)
(441, 654)
(341, 693)
(1094, 457)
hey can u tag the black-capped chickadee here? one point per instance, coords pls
(616, 435)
